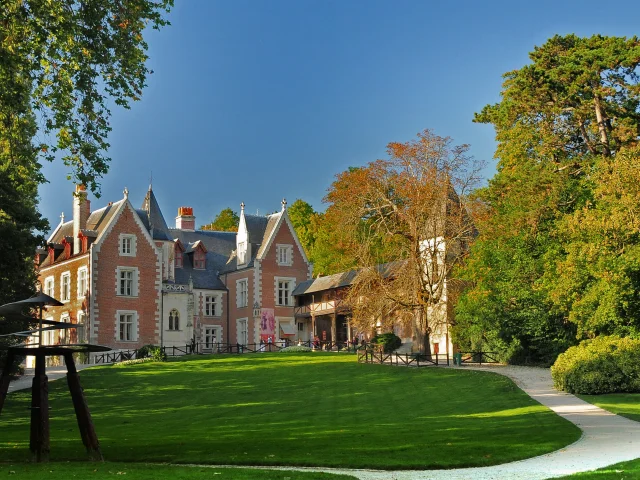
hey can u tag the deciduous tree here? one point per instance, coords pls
(409, 212)
(226, 221)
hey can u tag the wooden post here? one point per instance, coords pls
(39, 442)
(83, 415)
(334, 321)
(5, 378)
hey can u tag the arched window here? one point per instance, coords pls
(174, 320)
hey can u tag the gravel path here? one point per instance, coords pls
(606, 439)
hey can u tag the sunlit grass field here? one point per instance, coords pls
(137, 471)
(294, 409)
(625, 404)
(619, 471)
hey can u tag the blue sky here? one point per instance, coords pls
(255, 100)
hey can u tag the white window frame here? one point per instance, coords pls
(212, 304)
(127, 240)
(208, 338)
(82, 291)
(47, 337)
(134, 281)
(50, 286)
(284, 255)
(63, 333)
(175, 326)
(242, 253)
(242, 292)
(67, 297)
(292, 287)
(242, 339)
(134, 325)
(81, 333)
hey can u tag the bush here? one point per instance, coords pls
(152, 351)
(295, 348)
(601, 365)
(390, 341)
(135, 361)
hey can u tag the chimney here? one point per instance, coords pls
(185, 219)
(81, 208)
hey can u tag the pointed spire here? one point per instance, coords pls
(126, 192)
(62, 217)
(242, 207)
(284, 204)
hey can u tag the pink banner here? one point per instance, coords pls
(267, 325)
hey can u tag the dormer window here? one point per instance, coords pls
(242, 253)
(199, 258)
(178, 250)
(178, 259)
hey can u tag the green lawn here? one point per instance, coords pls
(625, 404)
(295, 409)
(619, 471)
(139, 471)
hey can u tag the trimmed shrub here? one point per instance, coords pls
(601, 365)
(390, 341)
(152, 351)
(295, 348)
(135, 361)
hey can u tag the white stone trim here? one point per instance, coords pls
(132, 245)
(135, 288)
(238, 302)
(52, 291)
(238, 339)
(64, 274)
(275, 289)
(84, 269)
(136, 325)
(288, 248)
(257, 282)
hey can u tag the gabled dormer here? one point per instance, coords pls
(198, 255)
(178, 253)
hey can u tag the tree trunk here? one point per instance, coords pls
(602, 127)
(421, 331)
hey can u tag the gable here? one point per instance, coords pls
(282, 232)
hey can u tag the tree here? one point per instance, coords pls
(61, 64)
(560, 121)
(411, 212)
(301, 214)
(226, 221)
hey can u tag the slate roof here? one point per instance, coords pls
(342, 279)
(152, 218)
(256, 226)
(259, 230)
(268, 231)
(219, 246)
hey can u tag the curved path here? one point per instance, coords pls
(607, 439)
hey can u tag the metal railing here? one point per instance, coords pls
(479, 357)
(378, 355)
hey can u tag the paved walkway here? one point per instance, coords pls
(606, 439)
(53, 373)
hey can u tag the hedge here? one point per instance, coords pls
(601, 365)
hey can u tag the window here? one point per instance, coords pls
(284, 288)
(49, 287)
(127, 325)
(127, 282)
(178, 259)
(242, 297)
(63, 333)
(211, 308)
(284, 255)
(211, 337)
(241, 326)
(174, 320)
(127, 245)
(82, 282)
(199, 259)
(242, 253)
(65, 287)
(81, 327)
(301, 327)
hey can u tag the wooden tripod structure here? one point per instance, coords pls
(39, 434)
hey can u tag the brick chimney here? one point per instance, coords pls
(81, 210)
(185, 219)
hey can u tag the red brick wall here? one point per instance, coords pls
(75, 304)
(243, 312)
(146, 303)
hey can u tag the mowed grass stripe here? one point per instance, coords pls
(304, 409)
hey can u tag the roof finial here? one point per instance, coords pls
(284, 204)
(126, 192)
(62, 217)
(242, 206)
(150, 180)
